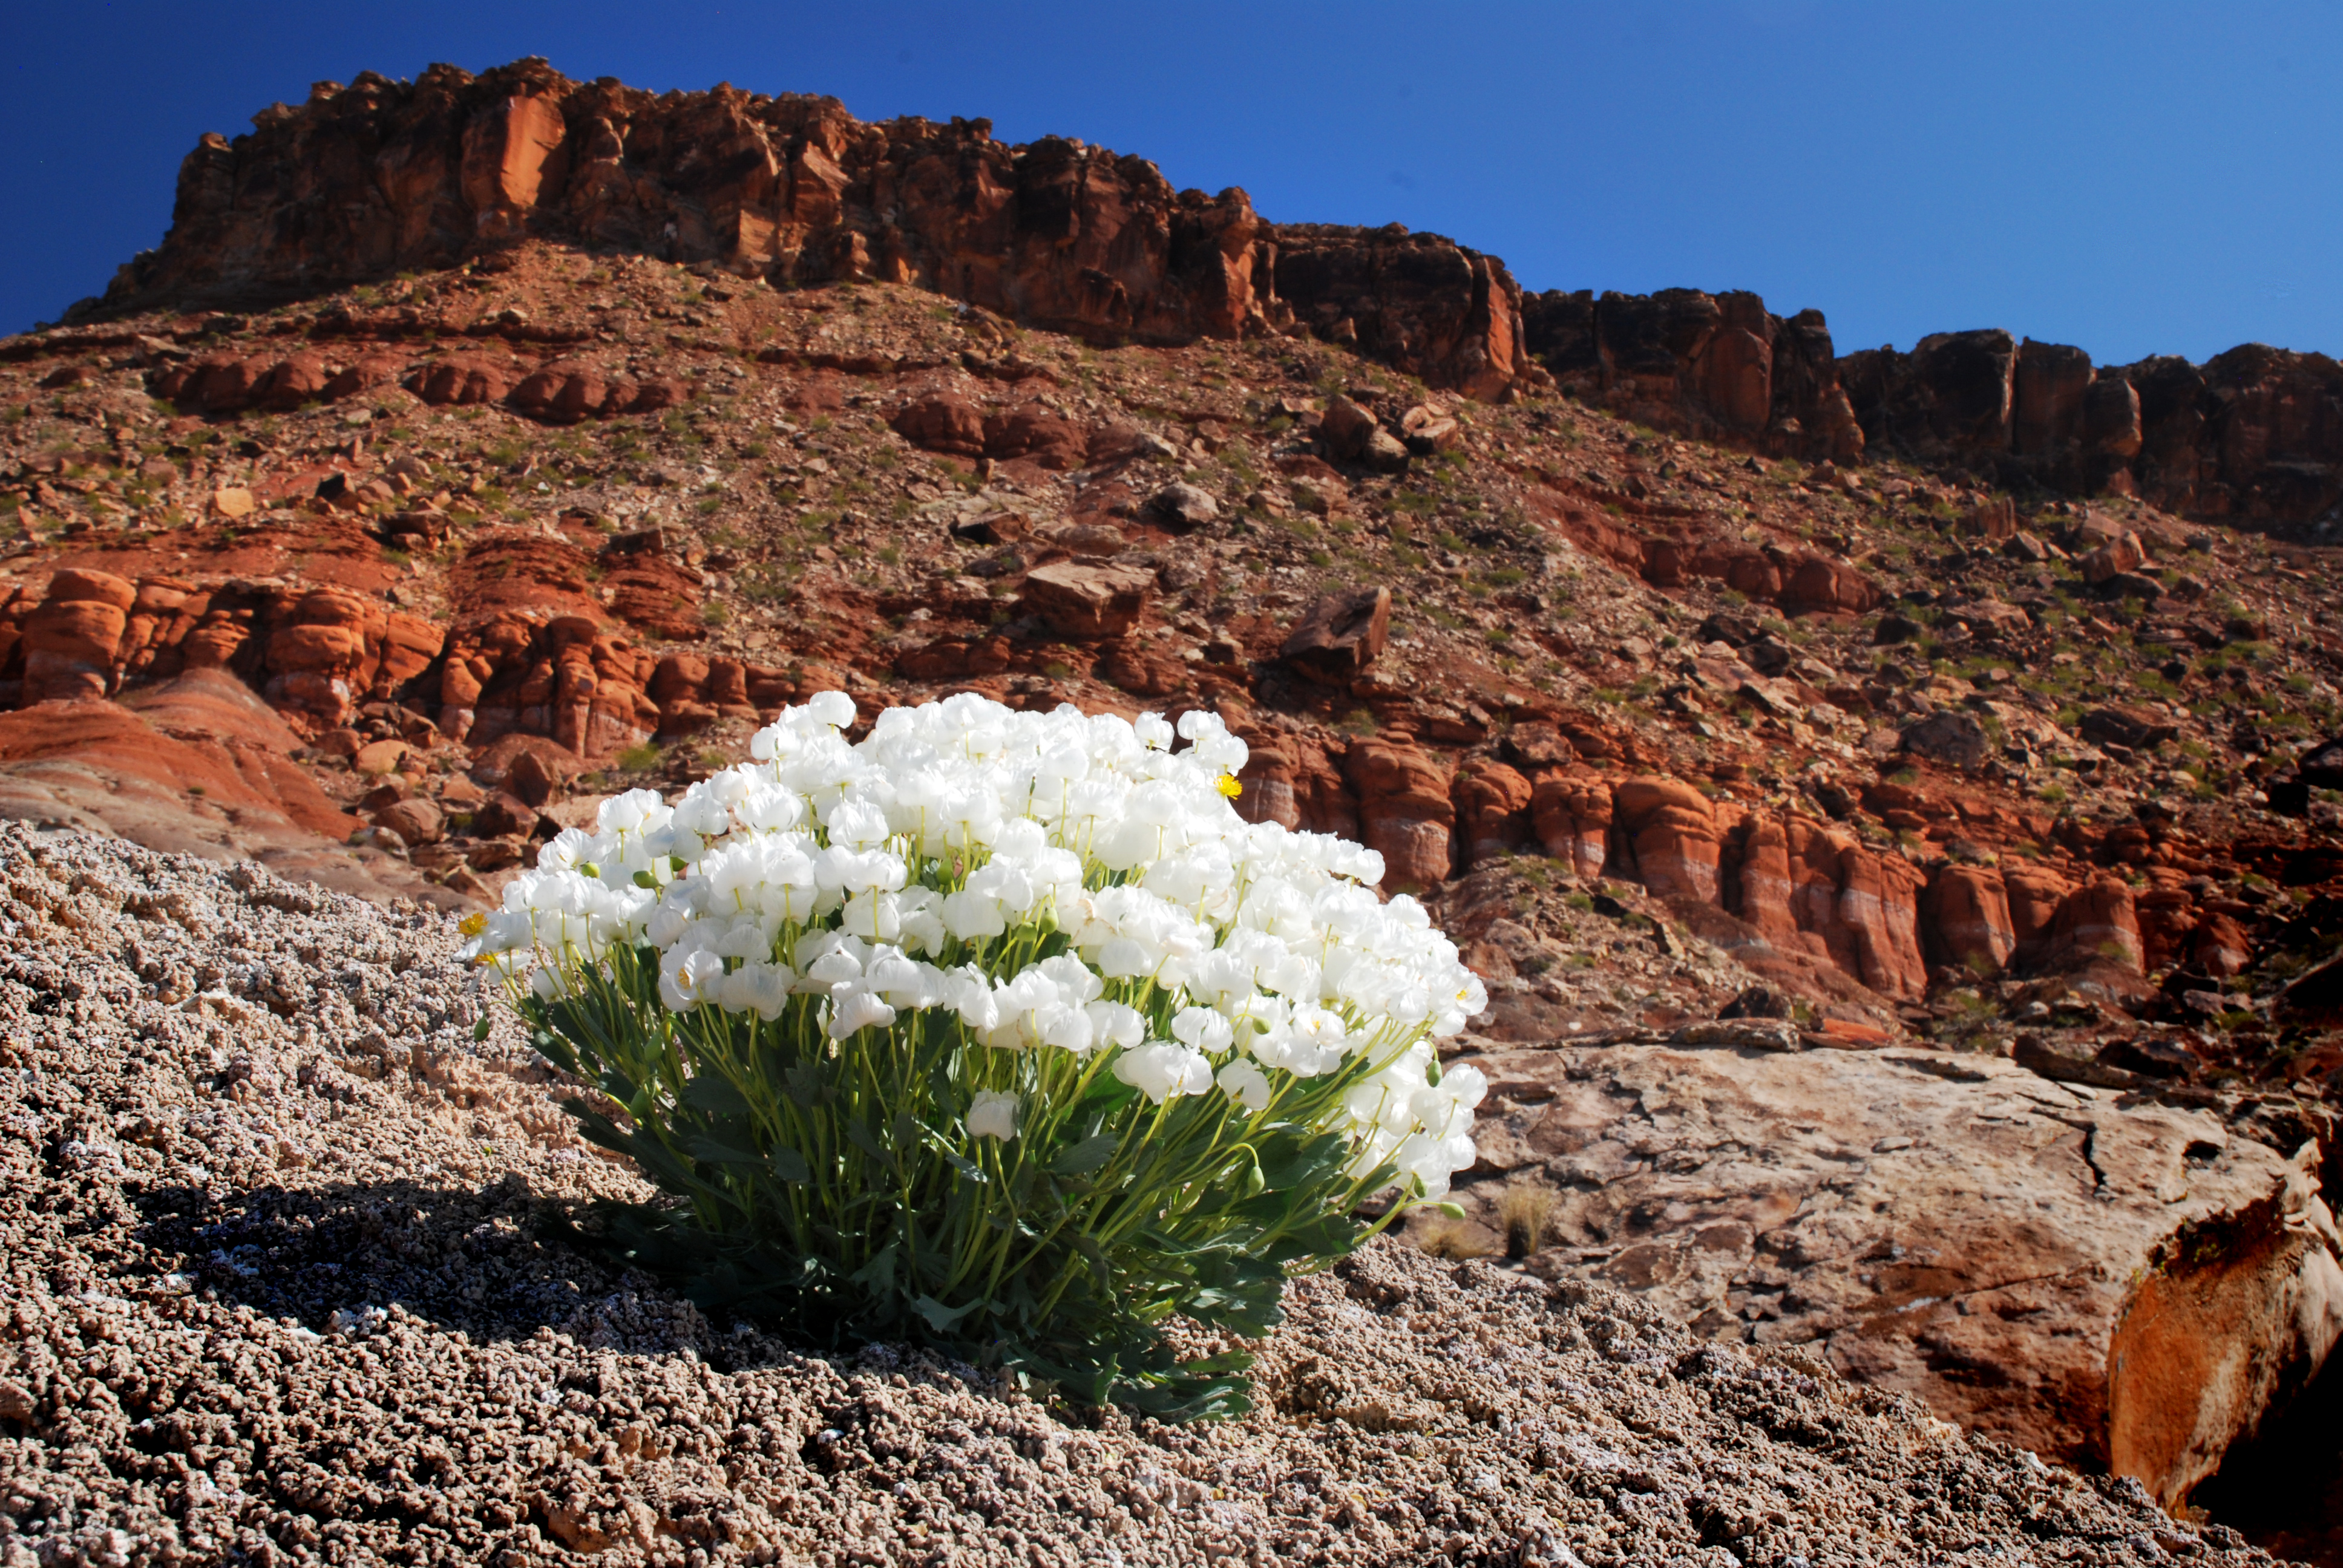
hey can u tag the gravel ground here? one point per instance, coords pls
(280, 1288)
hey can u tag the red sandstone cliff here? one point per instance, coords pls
(380, 176)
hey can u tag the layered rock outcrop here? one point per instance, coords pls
(2253, 435)
(195, 764)
(369, 179)
(1793, 891)
(317, 655)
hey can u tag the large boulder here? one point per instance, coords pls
(1182, 507)
(2112, 1285)
(2133, 728)
(1092, 602)
(1949, 736)
(2119, 557)
(942, 422)
(1340, 635)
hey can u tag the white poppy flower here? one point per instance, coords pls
(963, 832)
(993, 1114)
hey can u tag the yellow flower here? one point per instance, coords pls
(473, 924)
(1229, 786)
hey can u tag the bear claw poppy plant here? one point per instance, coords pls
(998, 1030)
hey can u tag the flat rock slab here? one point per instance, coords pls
(283, 1284)
(2102, 1281)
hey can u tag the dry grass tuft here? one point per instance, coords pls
(1523, 1214)
(1455, 1241)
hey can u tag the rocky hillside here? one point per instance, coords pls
(475, 445)
(286, 1283)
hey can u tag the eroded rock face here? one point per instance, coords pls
(1715, 366)
(315, 653)
(70, 639)
(2250, 434)
(1799, 890)
(1492, 809)
(2106, 1284)
(793, 189)
(195, 765)
(2241, 435)
(1405, 810)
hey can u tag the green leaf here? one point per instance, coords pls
(717, 1153)
(1450, 1208)
(1310, 1158)
(1095, 1255)
(863, 1139)
(1087, 1156)
(878, 1274)
(480, 1030)
(940, 1317)
(790, 1165)
(715, 1094)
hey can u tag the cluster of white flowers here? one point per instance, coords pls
(844, 872)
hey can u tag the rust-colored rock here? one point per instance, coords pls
(1419, 302)
(943, 423)
(2123, 553)
(2098, 921)
(1492, 809)
(1876, 906)
(2220, 947)
(1089, 601)
(1346, 429)
(2144, 1282)
(1340, 635)
(1719, 366)
(422, 175)
(2034, 894)
(379, 756)
(504, 814)
(1427, 431)
(1405, 813)
(1966, 916)
(416, 822)
(71, 640)
(1671, 830)
(1572, 813)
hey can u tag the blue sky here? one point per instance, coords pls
(2133, 178)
